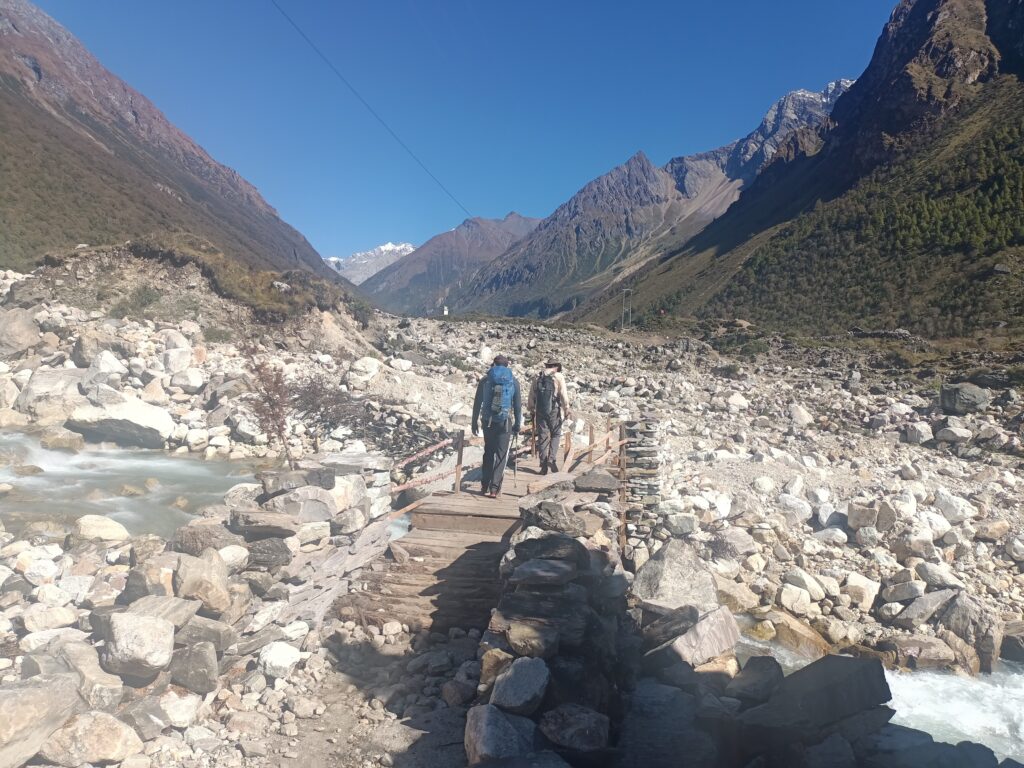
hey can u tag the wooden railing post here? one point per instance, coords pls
(622, 463)
(622, 487)
(460, 441)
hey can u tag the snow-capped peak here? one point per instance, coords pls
(361, 266)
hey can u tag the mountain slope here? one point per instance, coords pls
(420, 282)
(361, 266)
(908, 211)
(619, 220)
(88, 159)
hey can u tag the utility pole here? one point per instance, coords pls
(627, 309)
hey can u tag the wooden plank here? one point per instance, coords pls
(491, 525)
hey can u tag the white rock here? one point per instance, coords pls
(100, 527)
(176, 360)
(278, 659)
(955, 508)
(191, 380)
(918, 432)
(235, 556)
(798, 577)
(862, 590)
(800, 416)
(181, 709)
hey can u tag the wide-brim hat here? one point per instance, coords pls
(553, 364)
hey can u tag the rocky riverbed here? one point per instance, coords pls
(839, 506)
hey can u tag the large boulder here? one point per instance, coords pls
(204, 578)
(30, 711)
(129, 423)
(91, 342)
(675, 576)
(91, 738)
(520, 689)
(18, 332)
(195, 669)
(278, 659)
(714, 634)
(52, 395)
(310, 504)
(961, 399)
(100, 690)
(660, 729)
(363, 371)
(824, 692)
(923, 608)
(202, 533)
(101, 528)
(490, 735)
(967, 617)
(576, 728)
(138, 647)
(757, 682)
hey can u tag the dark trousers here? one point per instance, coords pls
(549, 432)
(496, 444)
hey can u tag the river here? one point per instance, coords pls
(102, 481)
(988, 709)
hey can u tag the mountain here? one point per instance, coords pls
(615, 223)
(87, 159)
(906, 210)
(420, 283)
(361, 266)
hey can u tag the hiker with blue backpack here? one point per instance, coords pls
(497, 406)
(548, 406)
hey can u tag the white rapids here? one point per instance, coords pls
(988, 709)
(91, 482)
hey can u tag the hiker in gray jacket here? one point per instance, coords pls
(548, 405)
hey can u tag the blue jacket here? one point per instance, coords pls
(517, 404)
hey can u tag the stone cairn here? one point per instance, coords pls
(549, 666)
(113, 645)
(646, 478)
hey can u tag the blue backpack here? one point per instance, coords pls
(499, 387)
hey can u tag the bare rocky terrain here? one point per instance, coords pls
(826, 506)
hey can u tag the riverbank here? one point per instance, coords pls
(839, 505)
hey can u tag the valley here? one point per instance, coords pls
(244, 515)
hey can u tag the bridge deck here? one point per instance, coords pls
(445, 573)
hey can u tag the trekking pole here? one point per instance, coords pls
(515, 462)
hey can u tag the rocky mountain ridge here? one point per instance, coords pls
(361, 266)
(125, 170)
(421, 282)
(890, 200)
(615, 222)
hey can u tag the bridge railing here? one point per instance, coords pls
(608, 445)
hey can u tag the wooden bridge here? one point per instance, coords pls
(444, 572)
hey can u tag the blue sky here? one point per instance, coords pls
(514, 106)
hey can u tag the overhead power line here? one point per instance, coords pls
(365, 103)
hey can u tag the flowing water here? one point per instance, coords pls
(988, 709)
(101, 481)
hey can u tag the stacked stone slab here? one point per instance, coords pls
(647, 469)
(550, 671)
(108, 641)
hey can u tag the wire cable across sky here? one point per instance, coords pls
(365, 103)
